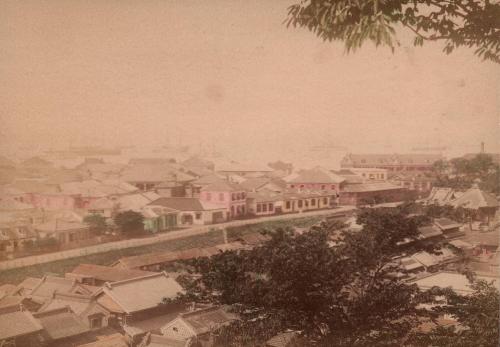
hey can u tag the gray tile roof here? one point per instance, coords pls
(19, 324)
(142, 293)
(61, 323)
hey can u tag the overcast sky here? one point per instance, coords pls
(228, 73)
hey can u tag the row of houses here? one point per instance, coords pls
(130, 304)
(173, 195)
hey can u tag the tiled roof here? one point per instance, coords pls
(61, 323)
(254, 183)
(475, 198)
(142, 293)
(115, 340)
(458, 282)
(154, 173)
(370, 187)
(222, 186)
(93, 188)
(317, 175)
(101, 204)
(163, 341)
(237, 167)
(136, 201)
(186, 204)
(20, 323)
(209, 179)
(11, 302)
(446, 223)
(205, 320)
(429, 231)
(107, 273)
(428, 259)
(264, 196)
(441, 195)
(27, 285)
(78, 303)
(50, 284)
(197, 162)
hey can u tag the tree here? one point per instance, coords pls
(130, 222)
(96, 222)
(477, 314)
(339, 288)
(465, 171)
(459, 23)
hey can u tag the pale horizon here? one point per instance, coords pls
(228, 75)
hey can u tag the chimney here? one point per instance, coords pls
(482, 147)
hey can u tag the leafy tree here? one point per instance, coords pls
(130, 222)
(477, 314)
(459, 23)
(466, 171)
(440, 167)
(339, 288)
(96, 222)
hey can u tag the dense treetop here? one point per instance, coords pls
(459, 23)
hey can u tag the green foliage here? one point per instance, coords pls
(344, 294)
(96, 222)
(465, 171)
(130, 222)
(459, 23)
(477, 314)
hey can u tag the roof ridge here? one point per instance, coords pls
(110, 285)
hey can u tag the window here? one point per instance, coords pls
(325, 201)
(301, 186)
(264, 207)
(197, 215)
(313, 202)
(306, 203)
(271, 207)
(259, 208)
(221, 196)
(238, 196)
(243, 195)
(233, 196)
(299, 203)
(288, 205)
(323, 187)
(292, 185)
(95, 323)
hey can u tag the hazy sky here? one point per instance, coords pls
(227, 72)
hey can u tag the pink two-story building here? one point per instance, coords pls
(228, 194)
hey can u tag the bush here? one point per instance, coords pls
(129, 222)
(96, 223)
